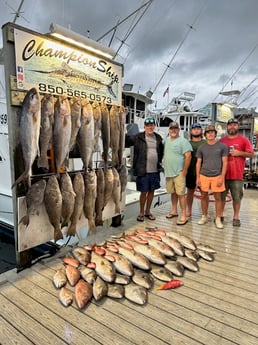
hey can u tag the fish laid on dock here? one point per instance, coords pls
(127, 266)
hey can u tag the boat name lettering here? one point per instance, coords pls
(31, 49)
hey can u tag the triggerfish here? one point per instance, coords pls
(172, 284)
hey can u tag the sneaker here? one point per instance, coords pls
(218, 223)
(203, 220)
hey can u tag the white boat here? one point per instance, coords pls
(138, 109)
(6, 205)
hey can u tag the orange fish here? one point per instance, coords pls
(83, 293)
(172, 284)
(124, 244)
(71, 261)
(73, 274)
(136, 239)
(99, 250)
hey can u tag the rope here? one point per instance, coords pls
(198, 195)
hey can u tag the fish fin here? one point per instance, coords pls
(109, 87)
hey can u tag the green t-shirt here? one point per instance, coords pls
(174, 155)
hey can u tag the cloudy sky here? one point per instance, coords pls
(198, 46)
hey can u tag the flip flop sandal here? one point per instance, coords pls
(181, 221)
(140, 218)
(150, 216)
(171, 215)
(236, 222)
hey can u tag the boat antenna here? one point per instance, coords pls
(123, 20)
(132, 28)
(191, 27)
(236, 71)
(113, 35)
(17, 13)
(250, 94)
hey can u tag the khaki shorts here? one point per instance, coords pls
(176, 184)
(211, 183)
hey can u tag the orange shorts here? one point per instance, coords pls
(211, 183)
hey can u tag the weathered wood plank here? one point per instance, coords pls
(9, 335)
(114, 326)
(27, 326)
(217, 305)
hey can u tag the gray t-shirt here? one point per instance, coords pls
(212, 158)
(152, 155)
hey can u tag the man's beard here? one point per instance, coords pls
(196, 135)
(232, 131)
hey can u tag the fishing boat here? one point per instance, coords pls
(6, 213)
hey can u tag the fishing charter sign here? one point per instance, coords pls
(59, 69)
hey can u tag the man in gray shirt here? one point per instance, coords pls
(211, 169)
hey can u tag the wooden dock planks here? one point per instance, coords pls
(217, 305)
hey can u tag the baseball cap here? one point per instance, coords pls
(173, 125)
(149, 121)
(210, 128)
(196, 125)
(232, 121)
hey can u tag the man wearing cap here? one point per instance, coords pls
(240, 148)
(147, 158)
(177, 157)
(211, 169)
(196, 140)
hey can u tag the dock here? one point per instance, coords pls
(218, 305)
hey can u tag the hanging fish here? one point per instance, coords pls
(29, 133)
(172, 284)
(46, 130)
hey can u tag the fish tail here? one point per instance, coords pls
(92, 227)
(98, 221)
(25, 220)
(43, 162)
(117, 209)
(161, 287)
(64, 223)
(71, 230)
(23, 177)
(58, 235)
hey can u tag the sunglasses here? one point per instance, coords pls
(196, 125)
(149, 122)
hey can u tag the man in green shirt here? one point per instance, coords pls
(177, 157)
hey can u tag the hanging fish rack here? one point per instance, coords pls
(39, 229)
